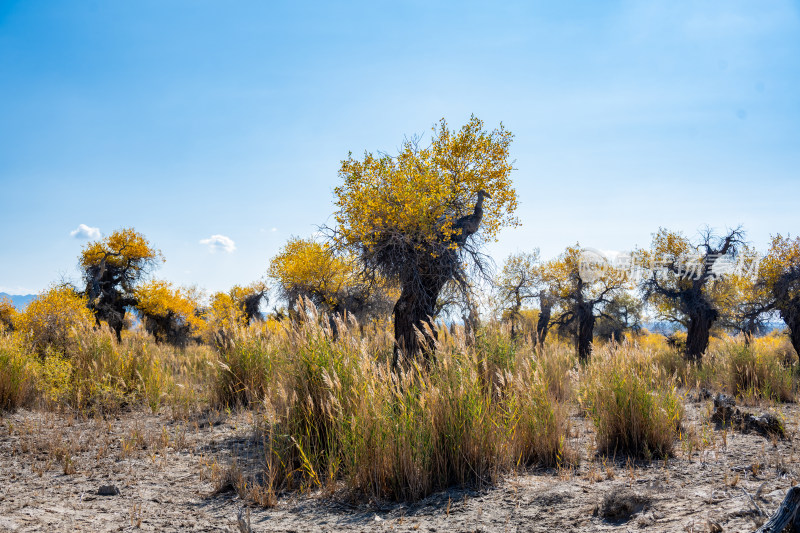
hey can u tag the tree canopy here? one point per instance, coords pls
(779, 276)
(169, 314)
(683, 280)
(111, 268)
(414, 199)
(418, 217)
(310, 269)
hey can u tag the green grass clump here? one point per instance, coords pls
(633, 403)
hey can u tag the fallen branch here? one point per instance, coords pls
(758, 509)
(786, 514)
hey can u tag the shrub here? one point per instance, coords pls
(246, 360)
(760, 370)
(57, 319)
(102, 375)
(632, 402)
(17, 374)
(8, 315)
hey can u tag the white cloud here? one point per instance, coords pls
(273, 230)
(219, 243)
(85, 232)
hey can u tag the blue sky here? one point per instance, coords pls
(189, 119)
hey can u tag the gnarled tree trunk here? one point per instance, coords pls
(786, 515)
(413, 315)
(700, 322)
(585, 331)
(791, 315)
(543, 324)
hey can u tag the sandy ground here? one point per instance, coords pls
(166, 473)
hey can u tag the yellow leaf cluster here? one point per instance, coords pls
(782, 257)
(240, 293)
(125, 248)
(305, 267)
(8, 314)
(227, 309)
(56, 318)
(421, 192)
(160, 299)
(224, 311)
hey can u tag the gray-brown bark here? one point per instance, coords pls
(687, 289)
(423, 272)
(545, 313)
(786, 515)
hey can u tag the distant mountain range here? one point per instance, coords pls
(20, 301)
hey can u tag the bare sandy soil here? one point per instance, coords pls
(163, 475)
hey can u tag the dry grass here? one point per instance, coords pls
(16, 374)
(334, 410)
(765, 369)
(97, 374)
(633, 403)
(330, 413)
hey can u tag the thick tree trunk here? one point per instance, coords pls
(118, 330)
(514, 332)
(700, 323)
(543, 324)
(748, 337)
(413, 315)
(786, 515)
(791, 315)
(585, 332)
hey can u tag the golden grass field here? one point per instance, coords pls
(292, 428)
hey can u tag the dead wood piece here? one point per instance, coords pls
(785, 515)
(726, 412)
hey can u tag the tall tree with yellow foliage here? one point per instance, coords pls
(170, 314)
(779, 275)
(683, 281)
(418, 218)
(111, 269)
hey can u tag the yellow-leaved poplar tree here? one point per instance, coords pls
(583, 283)
(229, 310)
(331, 279)
(419, 217)
(170, 314)
(684, 283)
(112, 267)
(779, 275)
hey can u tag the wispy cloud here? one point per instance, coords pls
(17, 290)
(219, 243)
(85, 232)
